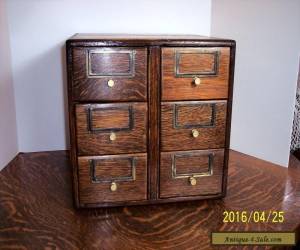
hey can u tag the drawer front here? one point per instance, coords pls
(195, 73)
(191, 173)
(193, 125)
(112, 178)
(111, 128)
(112, 74)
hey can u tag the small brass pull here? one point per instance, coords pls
(112, 136)
(195, 133)
(192, 181)
(113, 186)
(111, 83)
(197, 81)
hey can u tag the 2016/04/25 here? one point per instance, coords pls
(253, 216)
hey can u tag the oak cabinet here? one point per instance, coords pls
(149, 117)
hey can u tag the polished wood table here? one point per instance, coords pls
(36, 209)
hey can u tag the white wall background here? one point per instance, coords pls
(268, 48)
(38, 30)
(8, 129)
(267, 34)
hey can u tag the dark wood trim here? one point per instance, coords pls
(150, 202)
(154, 120)
(228, 118)
(147, 40)
(72, 125)
(167, 43)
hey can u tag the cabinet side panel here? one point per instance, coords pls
(228, 121)
(72, 127)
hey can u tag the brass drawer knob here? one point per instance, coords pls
(112, 136)
(195, 133)
(111, 83)
(113, 186)
(197, 81)
(192, 181)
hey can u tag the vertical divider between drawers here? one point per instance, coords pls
(153, 120)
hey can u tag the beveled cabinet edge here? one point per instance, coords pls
(114, 40)
(146, 43)
(154, 48)
(228, 118)
(72, 125)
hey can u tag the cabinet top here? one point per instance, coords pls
(80, 39)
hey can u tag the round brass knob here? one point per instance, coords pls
(195, 133)
(112, 136)
(113, 186)
(197, 81)
(192, 181)
(111, 83)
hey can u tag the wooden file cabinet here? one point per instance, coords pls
(149, 117)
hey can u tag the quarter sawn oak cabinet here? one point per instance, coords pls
(149, 117)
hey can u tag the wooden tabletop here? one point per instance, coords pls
(36, 209)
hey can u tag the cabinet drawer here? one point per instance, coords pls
(191, 173)
(112, 74)
(112, 178)
(181, 66)
(193, 125)
(111, 128)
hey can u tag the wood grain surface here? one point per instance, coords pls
(117, 167)
(112, 118)
(126, 88)
(95, 40)
(72, 125)
(181, 87)
(178, 119)
(187, 162)
(134, 63)
(228, 117)
(154, 121)
(113, 63)
(37, 212)
(195, 63)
